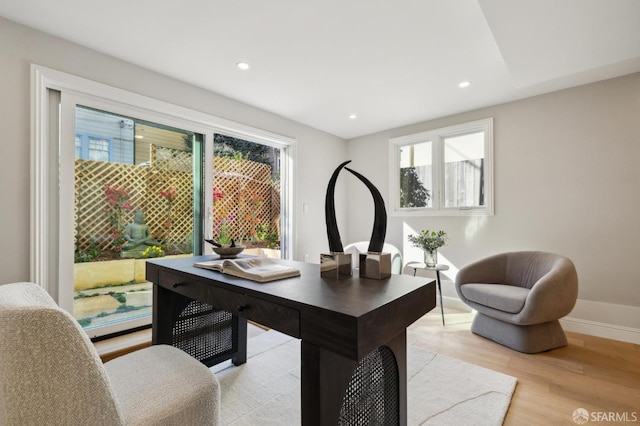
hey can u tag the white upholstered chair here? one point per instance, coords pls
(51, 374)
(362, 246)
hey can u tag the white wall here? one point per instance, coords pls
(567, 180)
(317, 153)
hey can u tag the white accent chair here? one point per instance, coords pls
(51, 374)
(362, 246)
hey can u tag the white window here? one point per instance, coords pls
(443, 172)
(96, 148)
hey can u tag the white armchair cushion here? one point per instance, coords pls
(149, 384)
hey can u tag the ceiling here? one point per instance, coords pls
(389, 63)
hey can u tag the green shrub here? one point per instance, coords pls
(124, 308)
(85, 295)
(84, 322)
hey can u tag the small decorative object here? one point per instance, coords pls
(431, 257)
(222, 229)
(228, 251)
(137, 236)
(223, 243)
(335, 264)
(373, 264)
(429, 242)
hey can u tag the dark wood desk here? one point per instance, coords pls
(353, 331)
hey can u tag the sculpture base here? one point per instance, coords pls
(375, 265)
(335, 265)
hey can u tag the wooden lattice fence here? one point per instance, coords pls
(249, 195)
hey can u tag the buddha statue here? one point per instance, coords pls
(138, 236)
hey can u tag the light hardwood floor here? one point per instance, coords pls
(599, 375)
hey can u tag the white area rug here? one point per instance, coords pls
(441, 390)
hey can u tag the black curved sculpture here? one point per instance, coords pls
(376, 243)
(333, 234)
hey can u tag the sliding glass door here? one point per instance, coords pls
(118, 178)
(247, 195)
(133, 189)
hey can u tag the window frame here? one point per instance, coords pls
(85, 148)
(437, 138)
(51, 260)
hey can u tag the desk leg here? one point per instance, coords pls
(440, 293)
(168, 308)
(241, 355)
(327, 377)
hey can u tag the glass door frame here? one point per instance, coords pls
(68, 105)
(52, 172)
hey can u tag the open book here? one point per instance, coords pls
(261, 269)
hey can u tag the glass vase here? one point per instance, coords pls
(431, 258)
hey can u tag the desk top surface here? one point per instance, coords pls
(354, 296)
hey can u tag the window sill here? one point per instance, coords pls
(488, 211)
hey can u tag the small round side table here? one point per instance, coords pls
(420, 265)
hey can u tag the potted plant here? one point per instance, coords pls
(429, 242)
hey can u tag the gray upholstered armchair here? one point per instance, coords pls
(51, 374)
(519, 297)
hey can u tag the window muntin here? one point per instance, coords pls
(445, 172)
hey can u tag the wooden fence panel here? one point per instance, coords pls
(93, 224)
(249, 195)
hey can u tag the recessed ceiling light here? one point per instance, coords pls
(243, 65)
(464, 84)
(353, 117)
(139, 137)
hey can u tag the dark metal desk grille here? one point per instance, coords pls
(372, 395)
(205, 333)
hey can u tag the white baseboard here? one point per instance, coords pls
(607, 320)
(608, 331)
(612, 321)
